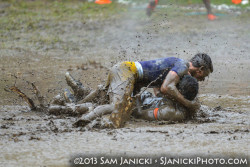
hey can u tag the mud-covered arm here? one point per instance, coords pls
(168, 88)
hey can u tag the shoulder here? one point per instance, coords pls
(180, 67)
(181, 61)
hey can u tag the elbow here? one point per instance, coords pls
(167, 89)
(164, 90)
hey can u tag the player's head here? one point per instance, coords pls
(188, 87)
(202, 66)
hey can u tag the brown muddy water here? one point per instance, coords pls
(87, 50)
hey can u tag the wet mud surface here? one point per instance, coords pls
(87, 49)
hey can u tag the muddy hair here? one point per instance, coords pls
(202, 59)
(188, 87)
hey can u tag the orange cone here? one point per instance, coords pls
(236, 1)
(101, 2)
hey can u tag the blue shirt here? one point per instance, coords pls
(157, 70)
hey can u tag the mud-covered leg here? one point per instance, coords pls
(170, 111)
(80, 93)
(99, 91)
(121, 98)
(41, 99)
(79, 90)
(122, 81)
(97, 112)
(70, 109)
(69, 96)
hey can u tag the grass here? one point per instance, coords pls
(23, 14)
(29, 13)
(20, 17)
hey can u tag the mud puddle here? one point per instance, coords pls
(33, 138)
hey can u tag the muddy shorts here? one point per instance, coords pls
(122, 78)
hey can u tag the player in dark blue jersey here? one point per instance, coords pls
(155, 71)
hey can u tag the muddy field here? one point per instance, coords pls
(41, 51)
